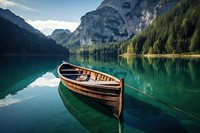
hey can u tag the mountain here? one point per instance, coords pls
(17, 40)
(60, 36)
(118, 20)
(7, 14)
(177, 31)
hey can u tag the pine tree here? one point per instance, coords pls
(170, 42)
(195, 42)
(156, 48)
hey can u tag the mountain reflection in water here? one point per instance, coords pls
(16, 73)
(173, 80)
(30, 101)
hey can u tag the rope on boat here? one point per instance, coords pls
(163, 102)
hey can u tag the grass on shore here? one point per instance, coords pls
(163, 55)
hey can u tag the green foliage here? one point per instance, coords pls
(98, 49)
(16, 40)
(177, 31)
(156, 47)
(130, 49)
(170, 44)
(122, 47)
(195, 42)
(113, 48)
(150, 50)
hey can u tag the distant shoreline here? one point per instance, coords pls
(36, 55)
(163, 55)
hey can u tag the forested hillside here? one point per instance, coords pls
(97, 50)
(16, 40)
(177, 31)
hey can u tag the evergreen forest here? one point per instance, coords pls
(175, 32)
(16, 40)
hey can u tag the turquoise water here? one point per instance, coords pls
(32, 99)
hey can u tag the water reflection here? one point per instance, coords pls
(47, 79)
(174, 81)
(145, 117)
(34, 109)
(16, 73)
(8, 100)
(90, 114)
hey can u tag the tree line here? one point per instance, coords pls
(97, 49)
(177, 31)
(16, 40)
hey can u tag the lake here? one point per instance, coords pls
(32, 99)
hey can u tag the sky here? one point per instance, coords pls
(47, 15)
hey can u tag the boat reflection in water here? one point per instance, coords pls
(93, 116)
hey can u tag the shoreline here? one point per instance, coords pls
(27, 55)
(163, 55)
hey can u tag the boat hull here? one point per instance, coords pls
(109, 95)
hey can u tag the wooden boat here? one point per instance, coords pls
(102, 87)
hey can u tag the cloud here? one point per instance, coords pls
(9, 3)
(48, 26)
(47, 79)
(8, 101)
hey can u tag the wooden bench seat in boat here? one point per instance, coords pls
(71, 70)
(75, 74)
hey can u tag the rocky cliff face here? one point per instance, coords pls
(116, 20)
(60, 36)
